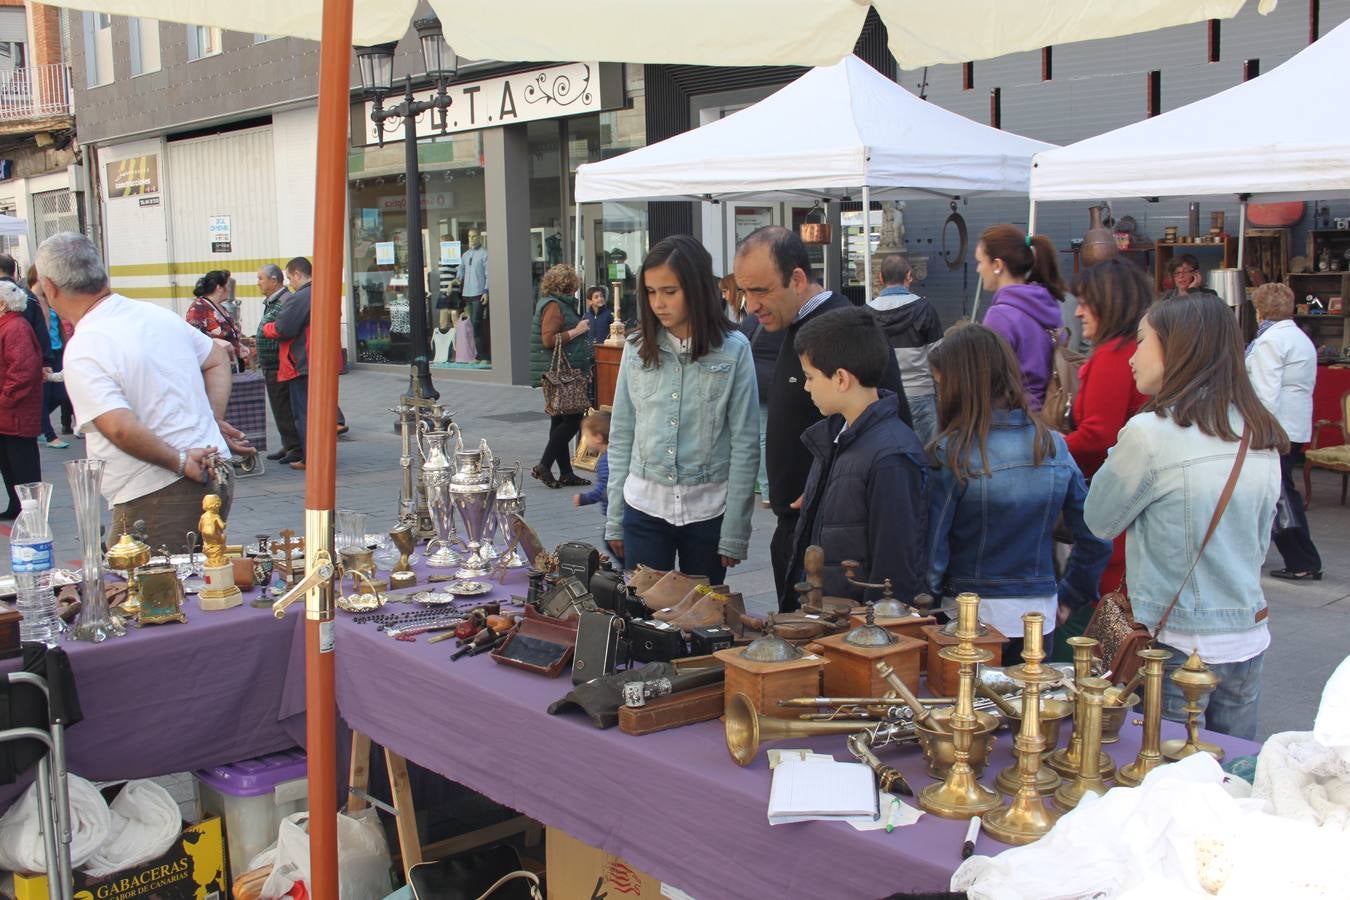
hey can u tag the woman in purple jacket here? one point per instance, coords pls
(1027, 295)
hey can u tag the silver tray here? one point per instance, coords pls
(60, 578)
(463, 588)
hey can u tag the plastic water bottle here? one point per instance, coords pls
(30, 559)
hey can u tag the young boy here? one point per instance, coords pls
(865, 497)
(595, 431)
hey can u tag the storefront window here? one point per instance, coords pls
(454, 235)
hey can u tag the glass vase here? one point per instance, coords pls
(95, 621)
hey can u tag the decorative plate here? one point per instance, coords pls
(468, 588)
(432, 598)
(359, 603)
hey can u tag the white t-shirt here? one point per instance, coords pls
(126, 354)
(1005, 613)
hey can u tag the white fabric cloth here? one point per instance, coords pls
(1005, 613)
(1178, 835)
(126, 354)
(145, 822)
(1232, 647)
(1282, 366)
(1332, 725)
(21, 845)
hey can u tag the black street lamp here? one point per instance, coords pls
(377, 68)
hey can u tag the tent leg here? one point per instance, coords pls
(576, 248)
(1031, 218)
(726, 250)
(320, 479)
(975, 303)
(1242, 234)
(867, 243)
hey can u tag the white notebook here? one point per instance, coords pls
(821, 789)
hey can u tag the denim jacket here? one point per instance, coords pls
(687, 423)
(995, 535)
(1162, 482)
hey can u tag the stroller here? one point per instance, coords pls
(247, 411)
(37, 704)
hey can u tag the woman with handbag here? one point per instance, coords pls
(560, 363)
(684, 437)
(1193, 481)
(1002, 480)
(1113, 296)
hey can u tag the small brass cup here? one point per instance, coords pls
(939, 750)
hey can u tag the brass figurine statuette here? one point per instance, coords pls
(220, 591)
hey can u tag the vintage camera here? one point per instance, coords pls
(610, 590)
(653, 641)
(708, 640)
(599, 646)
(1342, 224)
(567, 597)
(578, 559)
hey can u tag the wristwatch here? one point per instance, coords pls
(182, 463)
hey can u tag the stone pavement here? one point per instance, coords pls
(1309, 621)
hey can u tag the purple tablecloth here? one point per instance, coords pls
(178, 697)
(672, 804)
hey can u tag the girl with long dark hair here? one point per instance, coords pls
(1002, 480)
(1161, 485)
(684, 437)
(1022, 272)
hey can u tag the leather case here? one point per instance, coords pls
(653, 641)
(597, 651)
(539, 644)
(578, 559)
(696, 705)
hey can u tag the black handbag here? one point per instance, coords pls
(484, 873)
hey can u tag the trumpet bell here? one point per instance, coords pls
(746, 729)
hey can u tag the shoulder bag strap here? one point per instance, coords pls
(1213, 523)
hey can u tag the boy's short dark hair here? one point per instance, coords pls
(847, 339)
(597, 423)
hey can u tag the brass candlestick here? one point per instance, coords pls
(1026, 817)
(960, 796)
(404, 539)
(1089, 780)
(1150, 753)
(1196, 681)
(1065, 761)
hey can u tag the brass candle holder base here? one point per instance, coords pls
(1065, 762)
(1196, 681)
(1010, 779)
(959, 797)
(1089, 780)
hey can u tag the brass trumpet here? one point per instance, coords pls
(746, 729)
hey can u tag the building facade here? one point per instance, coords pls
(199, 150)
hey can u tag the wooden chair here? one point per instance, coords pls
(1336, 458)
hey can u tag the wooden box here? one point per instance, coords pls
(853, 672)
(685, 708)
(900, 626)
(765, 683)
(9, 632)
(942, 672)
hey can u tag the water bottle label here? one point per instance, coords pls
(24, 558)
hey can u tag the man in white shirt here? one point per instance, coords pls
(149, 392)
(1282, 365)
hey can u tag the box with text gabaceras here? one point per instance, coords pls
(193, 868)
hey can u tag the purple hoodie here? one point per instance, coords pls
(1023, 314)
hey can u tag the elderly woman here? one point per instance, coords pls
(20, 396)
(556, 320)
(208, 314)
(1282, 364)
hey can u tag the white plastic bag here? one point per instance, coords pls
(363, 857)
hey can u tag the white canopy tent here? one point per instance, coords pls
(866, 136)
(12, 226)
(707, 32)
(1214, 146)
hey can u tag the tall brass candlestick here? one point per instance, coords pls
(1196, 681)
(1065, 760)
(1150, 753)
(960, 796)
(616, 327)
(1089, 780)
(1026, 817)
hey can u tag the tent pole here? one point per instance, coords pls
(576, 248)
(1031, 218)
(330, 217)
(975, 304)
(726, 258)
(867, 243)
(1242, 232)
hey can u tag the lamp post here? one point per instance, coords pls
(377, 67)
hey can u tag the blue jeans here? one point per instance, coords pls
(923, 410)
(1232, 708)
(655, 542)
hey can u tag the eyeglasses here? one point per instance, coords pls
(1186, 270)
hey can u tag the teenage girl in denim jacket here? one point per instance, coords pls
(1161, 484)
(684, 436)
(1002, 481)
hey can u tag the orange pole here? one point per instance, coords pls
(330, 216)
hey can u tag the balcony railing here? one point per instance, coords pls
(34, 92)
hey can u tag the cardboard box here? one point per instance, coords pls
(577, 871)
(192, 869)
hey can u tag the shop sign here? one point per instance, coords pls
(430, 200)
(133, 176)
(548, 93)
(220, 234)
